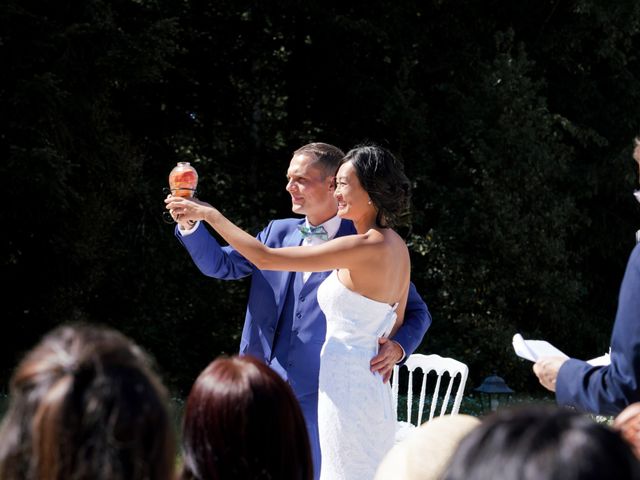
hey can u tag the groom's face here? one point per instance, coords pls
(311, 189)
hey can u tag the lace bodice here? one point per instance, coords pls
(356, 419)
(353, 318)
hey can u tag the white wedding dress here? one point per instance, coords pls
(356, 418)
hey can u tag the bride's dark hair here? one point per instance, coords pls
(383, 178)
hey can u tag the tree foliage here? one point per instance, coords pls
(514, 121)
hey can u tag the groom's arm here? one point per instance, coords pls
(212, 259)
(417, 320)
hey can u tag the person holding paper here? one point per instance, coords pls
(607, 389)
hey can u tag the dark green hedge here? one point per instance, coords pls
(514, 120)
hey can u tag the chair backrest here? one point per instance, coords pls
(441, 366)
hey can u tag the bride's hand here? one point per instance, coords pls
(187, 209)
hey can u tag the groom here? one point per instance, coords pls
(284, 325)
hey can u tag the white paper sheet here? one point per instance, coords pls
(534, 349)
(600, 361)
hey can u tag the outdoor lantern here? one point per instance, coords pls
(492, 389)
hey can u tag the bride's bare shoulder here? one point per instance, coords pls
(393, 237)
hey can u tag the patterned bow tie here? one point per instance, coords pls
(319, 232)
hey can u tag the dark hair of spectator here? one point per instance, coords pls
(85, 404)
(383, 178)
(242, 421)
(537, 443)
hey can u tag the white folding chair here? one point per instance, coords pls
(453, 372)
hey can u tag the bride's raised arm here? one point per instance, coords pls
(344, 252)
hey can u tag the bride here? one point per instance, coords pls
(363, 299)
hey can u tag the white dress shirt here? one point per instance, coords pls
(331, 226)
(189, 231)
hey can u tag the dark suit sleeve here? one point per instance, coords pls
(213, 260)
(608, 389)
(417, 320)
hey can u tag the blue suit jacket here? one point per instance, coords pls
(608, 389)
(267, 297)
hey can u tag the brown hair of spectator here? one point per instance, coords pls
(85, 403)
(243, 421)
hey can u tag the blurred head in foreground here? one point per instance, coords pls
(426, 452)
(243, 421)
(85, 403)
(628, 424)
(542, 443)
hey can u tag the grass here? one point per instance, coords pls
(476, 406)
(471, 404)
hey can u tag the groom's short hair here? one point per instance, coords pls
(328, 157)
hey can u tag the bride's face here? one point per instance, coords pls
(353, 200)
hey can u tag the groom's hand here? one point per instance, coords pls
(389, 354)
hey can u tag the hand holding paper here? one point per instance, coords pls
(547, 368)
(533, 350)
(547, 358)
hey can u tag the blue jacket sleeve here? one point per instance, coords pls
(417, 321)
(213, 260)
(609, 389)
